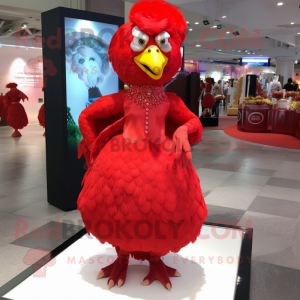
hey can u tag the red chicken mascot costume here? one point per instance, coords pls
(16, 115)
(141, 192)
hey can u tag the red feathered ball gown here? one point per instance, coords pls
(41, 116)
(3, 110)
(16, 114)
(136, 195)
(17, 117)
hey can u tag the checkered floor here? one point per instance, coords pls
(243, 183)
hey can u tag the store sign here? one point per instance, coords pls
(255, 118)
(29, 74)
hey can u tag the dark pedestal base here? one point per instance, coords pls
(209, 122)
(3, 123)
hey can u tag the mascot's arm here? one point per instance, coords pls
(187, 126)
(95, 118)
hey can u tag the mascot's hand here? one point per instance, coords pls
(182, 145)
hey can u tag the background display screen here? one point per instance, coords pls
(259, 62)
(89, 74)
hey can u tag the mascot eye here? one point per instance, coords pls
(92, 59)
(81, 61)
(163, 41)
(140, 40)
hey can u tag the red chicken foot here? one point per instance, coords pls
(159, 271)
(116, 271)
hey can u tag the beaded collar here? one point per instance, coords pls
(147, 96)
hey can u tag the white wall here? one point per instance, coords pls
(10, 58)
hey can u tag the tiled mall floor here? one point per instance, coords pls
(243, 183)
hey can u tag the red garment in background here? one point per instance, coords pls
(258, 89)
(16, 115)
(3, 109)
(41, 116)
(208, 100)
(202, 86)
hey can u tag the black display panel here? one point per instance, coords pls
(75, 46)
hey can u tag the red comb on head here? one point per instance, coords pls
(152, 17)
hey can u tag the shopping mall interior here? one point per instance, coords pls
(66, 96)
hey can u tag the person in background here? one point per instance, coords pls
(202, 88)
(212, 92)
(218, 96)
(226, 85)
(289, 87)
(296, 87)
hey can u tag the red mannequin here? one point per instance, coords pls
(3, 110)
(208, 100)
(41, 116)
(137, 146)
(16, 115)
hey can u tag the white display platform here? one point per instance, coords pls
(209, 272)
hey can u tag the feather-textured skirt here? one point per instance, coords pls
(41, 116)
(16, 116)
(139, 198)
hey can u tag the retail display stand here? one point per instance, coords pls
(216, 266)
(263, 118)
(209, 122)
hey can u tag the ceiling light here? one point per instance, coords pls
(227, 32)
(190, 29)
(187, 22)
(292, 23)
(239, 51)
(223, 17)
(196, 23)
(215, 26)
(206, 22)
(24, 25)
(220, 50)
(198, 45)
(280, 3)
(298, 33)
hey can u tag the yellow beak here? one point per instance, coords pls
(152, 62)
